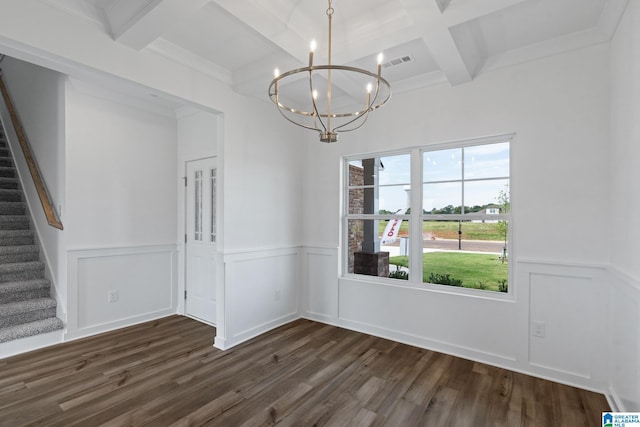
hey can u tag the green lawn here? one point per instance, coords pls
(449, 230)
(480, 271)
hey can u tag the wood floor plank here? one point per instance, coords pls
(166, 372)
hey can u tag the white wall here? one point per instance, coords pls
(38, 96)
(262, 222)
(558, 107)
(260, 153)
(121, 211)
(624, 206)
(199, 135)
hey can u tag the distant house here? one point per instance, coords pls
(489, 210)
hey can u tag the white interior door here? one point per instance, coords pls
(200, 250)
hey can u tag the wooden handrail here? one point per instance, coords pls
(49, 210)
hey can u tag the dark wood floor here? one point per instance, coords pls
(166, 372)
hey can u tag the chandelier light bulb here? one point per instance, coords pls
(276, 72)
(313, 45)
(369, 88)
(315, 94)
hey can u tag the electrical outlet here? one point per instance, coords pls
(112, 296)
(538, 329)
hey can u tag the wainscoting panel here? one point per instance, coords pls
(116, 287)
(624, 342)
(569, 301)
(261, 293)
(320, 300)
(568, 311)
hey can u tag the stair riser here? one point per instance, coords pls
(24, 296)
(16, 241)
(8, 173)
(10, 196)
(19, 257)
(31, 316)
(6, 162)
(4, 151)
(12, 209)
(20, 224)
(22, 275)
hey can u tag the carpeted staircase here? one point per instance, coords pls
(26, 307)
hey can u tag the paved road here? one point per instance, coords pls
(466, 245)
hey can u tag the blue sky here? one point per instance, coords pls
(480, 162)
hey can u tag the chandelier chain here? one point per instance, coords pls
(330, 8)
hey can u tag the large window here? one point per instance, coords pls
(431, 215)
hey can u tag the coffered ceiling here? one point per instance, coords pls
(424, 42)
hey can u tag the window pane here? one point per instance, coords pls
(197, 224)
(442, 165)
(392, 199)
(356, 173)
(213, 206)
(442, 198)
(367, 255)
(395, 170)
(485, 194)
(363, 201)
(470, 254)
(486, 161)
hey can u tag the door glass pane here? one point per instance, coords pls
(213, 205)
(197, 223)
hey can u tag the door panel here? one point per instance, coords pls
(201, 240)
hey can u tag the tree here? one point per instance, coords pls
(503, 226)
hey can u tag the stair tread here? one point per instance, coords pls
(12, 267)
(9, 218)
(29, 329)
(4, 250)
(15, 233)
(18, 307)
(23, 285)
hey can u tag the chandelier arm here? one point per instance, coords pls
(296, 123)
(364, 116)
(313, 102)
(353, 118)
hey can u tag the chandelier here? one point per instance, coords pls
(308, 109)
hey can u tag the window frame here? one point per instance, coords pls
(416, 217)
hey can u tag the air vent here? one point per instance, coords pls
(397, 61)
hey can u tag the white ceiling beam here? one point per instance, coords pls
(459, 12)
(435, 18)
(277, 27)
(137, 23)
(439, 39)
(269, 24)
